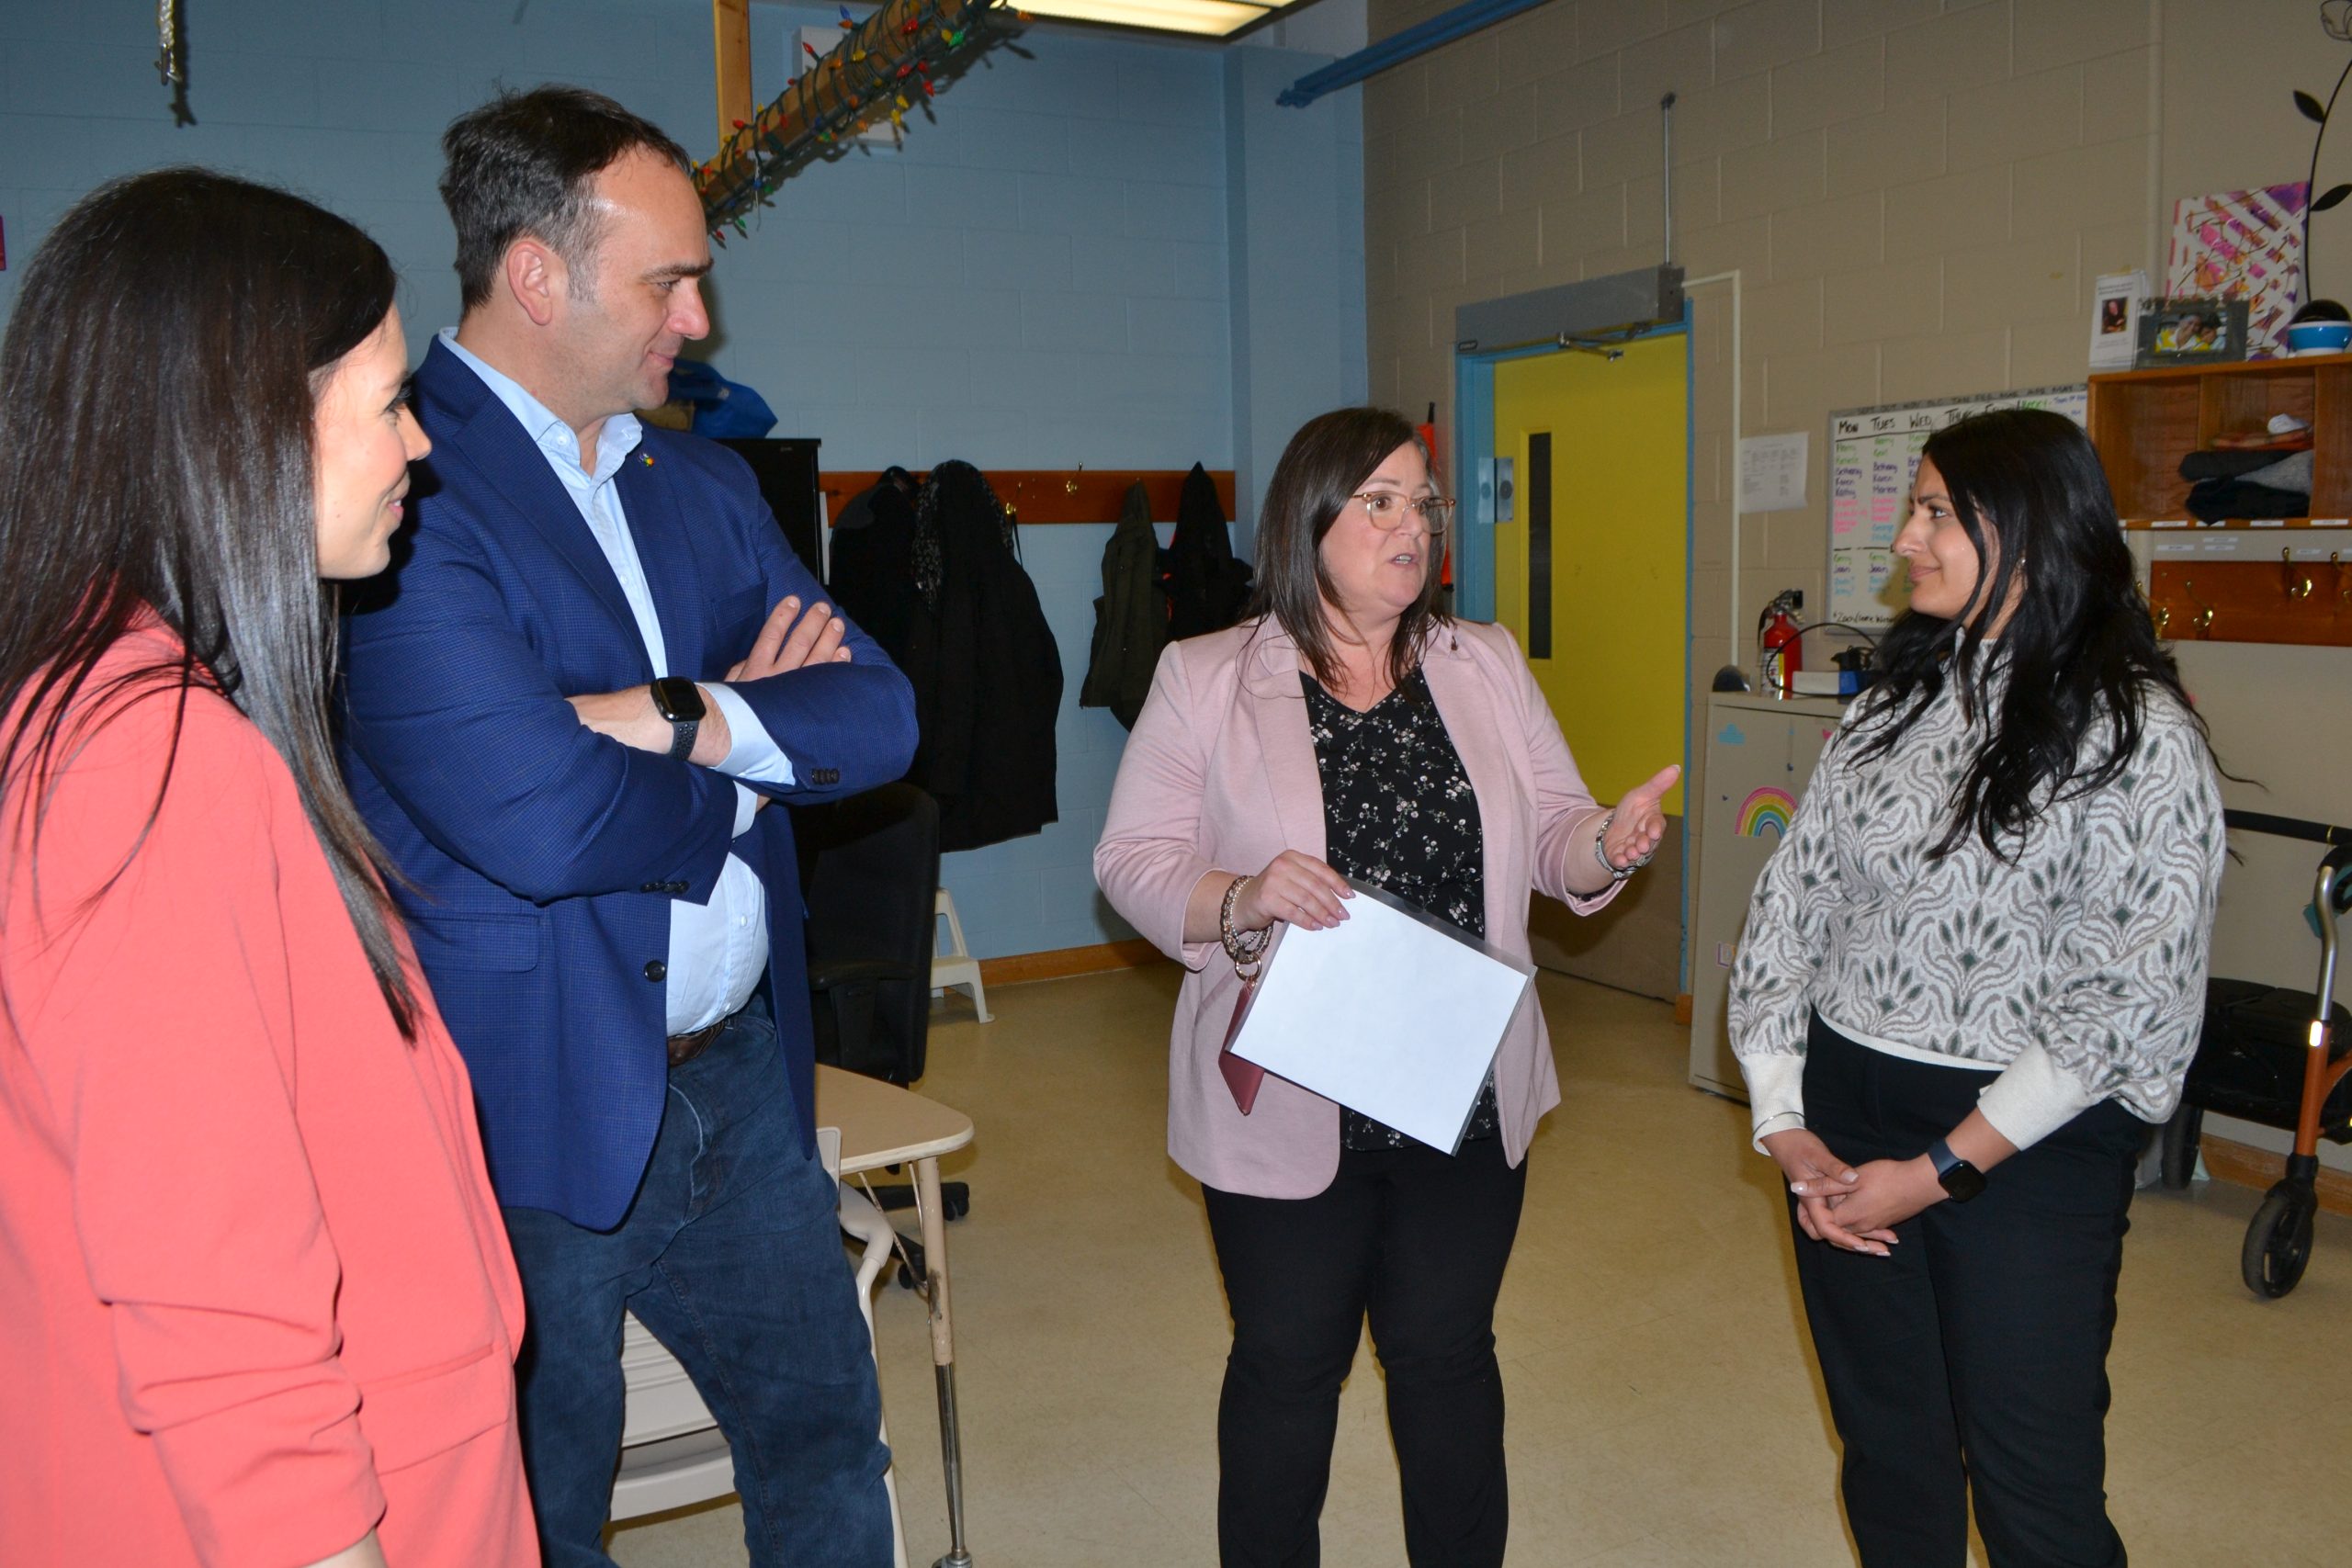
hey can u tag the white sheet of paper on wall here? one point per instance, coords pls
(1391, 1012)
(1772, 471)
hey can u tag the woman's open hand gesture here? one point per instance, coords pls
(1638, 825)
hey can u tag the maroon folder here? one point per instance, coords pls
(1241, 1076)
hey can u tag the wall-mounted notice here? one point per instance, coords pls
(1771, 471)
(1873, 454)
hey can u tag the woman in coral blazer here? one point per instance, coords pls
(255, 1300)
(1352, 729)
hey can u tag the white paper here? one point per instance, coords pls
(1386, 1013)
(1772, 472)
(2115, 320)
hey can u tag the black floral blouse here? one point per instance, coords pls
(1399, 814)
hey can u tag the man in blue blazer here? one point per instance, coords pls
(566, 712)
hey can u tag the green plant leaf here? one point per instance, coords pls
(2334, 195)
(2310, 106)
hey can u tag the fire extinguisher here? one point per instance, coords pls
(1781, 652)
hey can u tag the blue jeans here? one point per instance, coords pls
(730, 1257)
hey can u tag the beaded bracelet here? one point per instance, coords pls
(1245, 948)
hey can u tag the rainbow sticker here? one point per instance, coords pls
(1766, 813)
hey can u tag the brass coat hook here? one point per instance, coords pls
(2296, 588)
(2203, 619)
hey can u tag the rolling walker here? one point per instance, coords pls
(2280, 1059)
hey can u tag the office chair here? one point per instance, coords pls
(869, 872)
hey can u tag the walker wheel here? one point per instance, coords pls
(2179, 1138)
(2278, 1241)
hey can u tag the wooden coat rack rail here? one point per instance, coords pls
(1057, 495)
(2301, 596)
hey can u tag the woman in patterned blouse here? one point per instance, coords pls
(1983, 943)
(1352, 730)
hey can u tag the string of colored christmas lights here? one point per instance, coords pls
(879, 71)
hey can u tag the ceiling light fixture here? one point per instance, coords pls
(1202, 18)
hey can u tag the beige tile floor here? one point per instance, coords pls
(1664, 1407)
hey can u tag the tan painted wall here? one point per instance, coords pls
(1918, 196)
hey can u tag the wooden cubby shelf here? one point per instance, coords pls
(2144, 421)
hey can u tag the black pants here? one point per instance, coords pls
(1975, 1357)
(1417, 1239)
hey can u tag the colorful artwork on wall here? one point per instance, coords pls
(1765, 813)
(2243, 245)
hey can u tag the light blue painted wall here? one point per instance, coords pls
(1041, 277)
(1299, 307)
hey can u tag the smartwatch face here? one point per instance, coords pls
(677, 699)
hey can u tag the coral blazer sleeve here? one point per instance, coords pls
(160, 1029)
(254, 1285)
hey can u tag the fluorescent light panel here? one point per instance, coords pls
(1212, 19)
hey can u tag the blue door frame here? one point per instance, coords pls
(1473, 545)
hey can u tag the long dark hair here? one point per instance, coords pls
(2079, 652)
(157, 390)
(1321, 470)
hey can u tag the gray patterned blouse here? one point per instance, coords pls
(2078, 970)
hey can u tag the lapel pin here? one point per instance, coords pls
(646, 458)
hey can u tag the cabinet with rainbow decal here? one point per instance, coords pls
(1760, 756)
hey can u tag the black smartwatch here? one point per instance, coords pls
(679, 700)
(1961, 1179)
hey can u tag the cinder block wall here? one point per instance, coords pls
(1917, 199)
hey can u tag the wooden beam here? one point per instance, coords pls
(2230, 1160)
(1062, 962)
(730, 27)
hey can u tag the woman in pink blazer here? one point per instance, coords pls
(1352, 729)
(255, 1302)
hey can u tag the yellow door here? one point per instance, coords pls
(1590, 569)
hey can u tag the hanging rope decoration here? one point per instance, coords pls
(170, 58)
(168, 64)
(877, 73)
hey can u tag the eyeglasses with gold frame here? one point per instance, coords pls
(1386, 509)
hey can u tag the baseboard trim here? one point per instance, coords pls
(1061, 963)
(2230, 1160)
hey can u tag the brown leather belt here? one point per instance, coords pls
(685, 1048)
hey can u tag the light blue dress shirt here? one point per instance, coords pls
(716, 950)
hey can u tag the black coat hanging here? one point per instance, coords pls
(986, 673)
(1130, 618)
(1208, 586)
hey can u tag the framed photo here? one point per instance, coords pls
(2191, 332)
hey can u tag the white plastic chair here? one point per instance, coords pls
(953, 967)
(673, 1452)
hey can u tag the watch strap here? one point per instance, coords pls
(683, 709)
(1960, 1179)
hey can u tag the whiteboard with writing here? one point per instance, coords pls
(1873, 454)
